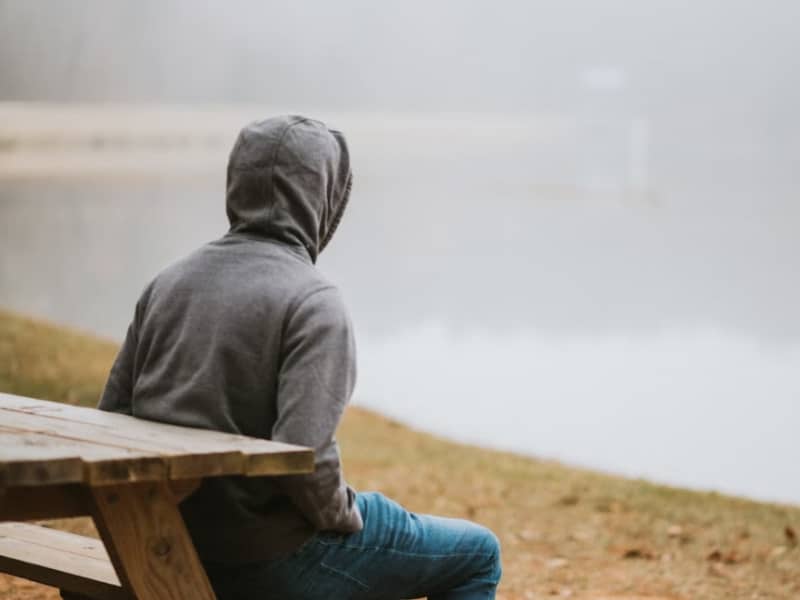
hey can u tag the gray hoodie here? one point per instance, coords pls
(244, 335)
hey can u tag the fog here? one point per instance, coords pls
(709, 59)
(573, 230)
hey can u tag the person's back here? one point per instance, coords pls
(245, 336)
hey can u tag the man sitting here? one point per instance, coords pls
(246, 336)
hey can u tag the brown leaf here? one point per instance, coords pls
(570, 500)
(639, 553)
(791, 535)
(609, 506)
(732, 557)
(714, 556)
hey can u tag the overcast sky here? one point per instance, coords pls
(719, 58)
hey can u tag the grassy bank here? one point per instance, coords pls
(565, 532)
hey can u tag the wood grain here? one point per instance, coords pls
(186, 452)
(34, 458)
(132, 435)
(23, 463)
(73, 562)
(148, 543)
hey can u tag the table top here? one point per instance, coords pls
(49, 443)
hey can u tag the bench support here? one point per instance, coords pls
(78, 565)
(148, 542)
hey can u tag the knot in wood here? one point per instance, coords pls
(161, 547)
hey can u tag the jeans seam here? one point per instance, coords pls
(415, 554)
(344, 575)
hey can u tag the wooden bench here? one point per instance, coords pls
(75, 563)
(129, 475)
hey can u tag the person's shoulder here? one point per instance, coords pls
(179, 267)
(318, 295)
(174, 272)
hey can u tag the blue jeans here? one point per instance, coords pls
(397, 555)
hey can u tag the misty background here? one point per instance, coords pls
(573, 230)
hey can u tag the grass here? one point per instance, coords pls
(565, 532)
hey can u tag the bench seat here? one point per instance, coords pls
(77, 564)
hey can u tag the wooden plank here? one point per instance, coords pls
(44, 502)
(192, 452)
(56, 539)
(182, 462)
(30, 458)
(150, 547)
(23, 463)
(72, 562)
(280, 463)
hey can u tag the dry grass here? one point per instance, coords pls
(40, 360)
(565, 532)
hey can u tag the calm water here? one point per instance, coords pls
(652, 336)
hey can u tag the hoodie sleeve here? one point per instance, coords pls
(316, 380)
(118, 391)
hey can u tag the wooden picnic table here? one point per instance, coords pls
(58, 460)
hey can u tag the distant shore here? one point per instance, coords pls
(46, 140)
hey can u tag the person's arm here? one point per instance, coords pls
(316, 379)
(118, 391)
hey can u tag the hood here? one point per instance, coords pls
(288, 180)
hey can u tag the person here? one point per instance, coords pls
(246, 336)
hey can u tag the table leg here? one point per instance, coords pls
(148, 542)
